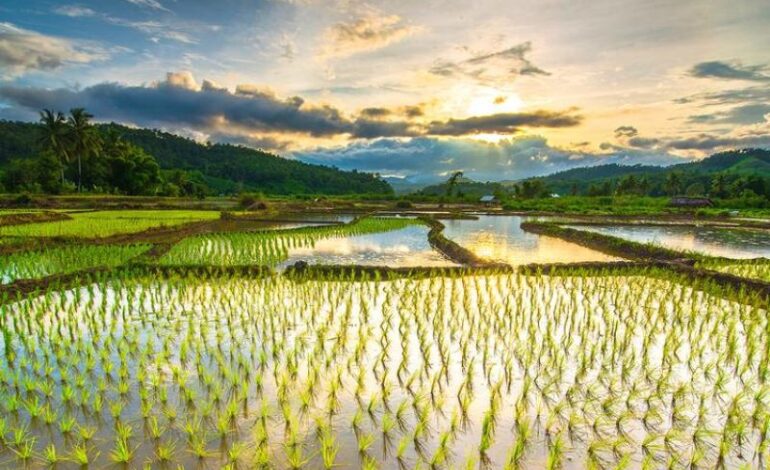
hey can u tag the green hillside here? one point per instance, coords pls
(220, 168)
(734, 174)
(733, 171)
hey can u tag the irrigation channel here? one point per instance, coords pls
(229, 342)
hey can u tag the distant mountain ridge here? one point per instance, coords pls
(733, 164)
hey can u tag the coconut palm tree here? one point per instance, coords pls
(452, 182)
(55, 136)
(83, 137)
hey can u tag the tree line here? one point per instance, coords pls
(719, 185)
(74, 157)
(70, 153)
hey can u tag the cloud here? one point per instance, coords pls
(729, 71)
(375, 113)
(177, 102)
(742, 136)
(74, 11)
(373, 128)
(745, 114)
(186, 80)
(492, 67)
(23, 50)
(643, 142)
(156, 30)
(152, 4)
(710, 142)
(626, 131)
(180, 101)
(430, 158)
(755, 94)
(365, 34)
(504, 123)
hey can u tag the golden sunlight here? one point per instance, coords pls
(493, 102)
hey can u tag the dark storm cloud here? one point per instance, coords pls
(504, 123)
(729, 71)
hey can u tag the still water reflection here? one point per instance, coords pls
(730, 243)
(500, 238)
(407, 247)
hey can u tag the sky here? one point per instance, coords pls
(498, 89)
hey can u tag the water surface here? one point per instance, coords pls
(501, 238)
(407, 247)
(713, 241)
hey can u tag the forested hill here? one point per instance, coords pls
(224, 168)
(745, 169)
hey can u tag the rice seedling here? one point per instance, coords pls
(122, 451)
(80, 455)
(65, 259)
(753, 268)
(106, 223)
(166, 451)
(449, 370)
(268, 247)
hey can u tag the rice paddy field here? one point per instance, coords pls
(269, 247)
(753, 269)
(106, 223)
(199, 351)
(65, 259)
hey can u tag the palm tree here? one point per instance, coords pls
(673, 184)
(55, 136)
(452, 181)
(84, 138)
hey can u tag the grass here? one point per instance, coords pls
(100, 224)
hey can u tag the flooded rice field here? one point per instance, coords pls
(500, 238)
(712, 241)
(498, 371)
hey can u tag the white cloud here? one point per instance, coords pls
(365, 34)
(154, 4)
(74, 11)
(23, 50)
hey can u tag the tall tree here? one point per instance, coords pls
(84, 138)
(54, 136)
(719, 185)
(452, 182)
(673, 183)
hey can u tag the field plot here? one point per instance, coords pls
(504, 371)
(268, 247)
(65, 259)
(106, 223)
(752, 269)
(500, 238)
(706, 240)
